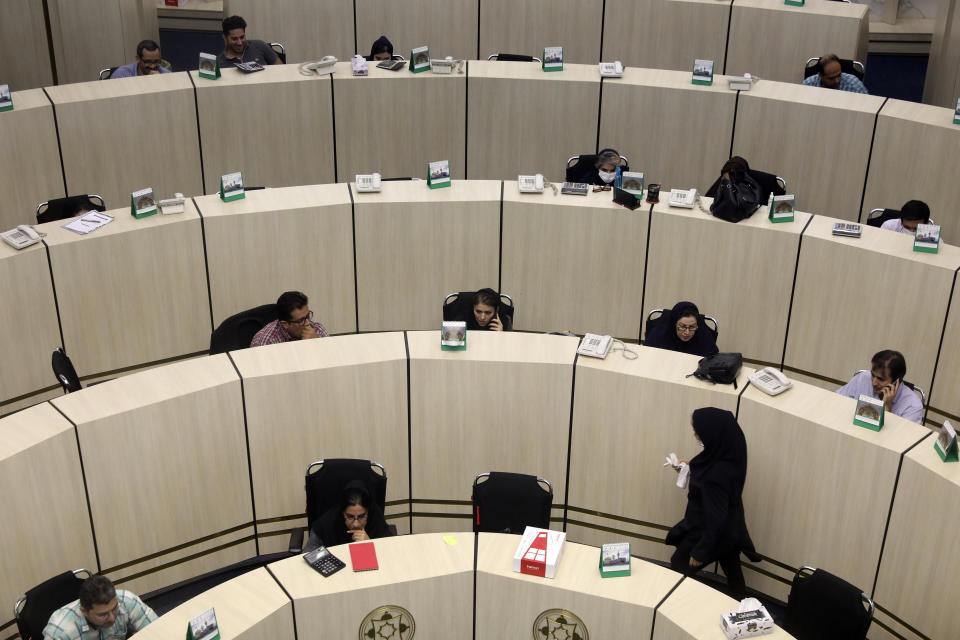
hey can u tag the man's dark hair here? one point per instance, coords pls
(146, 45)
(96, 590)
(233, 22)
(915, 210)
(892, 362)
(288, 302)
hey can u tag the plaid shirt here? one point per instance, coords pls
(848, 82)
(274, 333)
(69, 623)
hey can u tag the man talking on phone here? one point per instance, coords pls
(885, 381)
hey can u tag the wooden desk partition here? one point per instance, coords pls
(563, 256)
(507, 396)
(24, 46)
(118, 137)
(165, 468)
(652, 400)
(45, 526)
(291, 239)
(275, 126)
(647, 33)
(415, 245)
(756, 257)
(526, 28)
(448, 27)
(30, 165)
(841, 477)
(793, 34)
(943, 394)
(308, 30)
(790, 129)
(423, 121)
(340, 397)
(855, 297)
(691, 139)
(910, 161)
(429, 578)
(522, 120)
(132, 292)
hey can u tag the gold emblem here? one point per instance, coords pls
(389, 622)
(559, 624)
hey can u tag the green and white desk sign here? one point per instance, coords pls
(703, 72)
(438, 174)
(231, 186)
(552, 59)
(869, 413)
(793, 3)
(781, 208)
(420, 59)
(956, 112)
(209, 66)
(615, 560)
(927, 238)
(204, 626)
(6, 99)
(946, 443)
(142, 203)
(453, 335)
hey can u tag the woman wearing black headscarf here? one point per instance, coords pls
(682, 330)
(355, 519)
(713, 526)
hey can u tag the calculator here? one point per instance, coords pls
(323, 561)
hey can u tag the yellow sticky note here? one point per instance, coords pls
(450, 540)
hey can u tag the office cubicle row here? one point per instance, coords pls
(168, 473)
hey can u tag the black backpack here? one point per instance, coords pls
(720, 368)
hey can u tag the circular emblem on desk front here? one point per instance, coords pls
(559, 624)
(388, 622)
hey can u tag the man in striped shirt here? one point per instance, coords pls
(101, 613)
(295, 322)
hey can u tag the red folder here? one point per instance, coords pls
(363, 556)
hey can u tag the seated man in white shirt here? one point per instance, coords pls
(911, 214)
(885, 381)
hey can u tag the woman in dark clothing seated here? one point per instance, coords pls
(713, 526)
(604, 170)
(382, 49)
(357, 518)
(486, 312)
(682, 330)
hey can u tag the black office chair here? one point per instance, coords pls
(64, 208)
(324, 483)
(278, 48)
(580, 168)
(458, 306)
(821, 605)
(513, 57)
(509, 502)
(913, 387)
(238, 330)
(769, 183)
(853, 67)
(106, 73)
(65, 373)
(657, 315)
(33, 610)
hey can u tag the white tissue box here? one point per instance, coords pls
(746, 624)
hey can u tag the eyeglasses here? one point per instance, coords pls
(686, 328)
(106, 614)
(302, 320)
(352, 518)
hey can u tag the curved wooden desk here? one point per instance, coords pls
(197, 464)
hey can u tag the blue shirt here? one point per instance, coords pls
(906, 404)
(69, 623)
(130, 70)
(848, 82)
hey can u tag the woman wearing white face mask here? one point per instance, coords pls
(605, 168)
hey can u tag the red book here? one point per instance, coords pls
(363, 556)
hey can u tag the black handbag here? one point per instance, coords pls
(720, 368)
(737, 198)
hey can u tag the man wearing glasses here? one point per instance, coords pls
(294, 322)
(101, 613)
(831, 76)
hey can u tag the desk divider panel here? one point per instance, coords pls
(651, 401)
(165, 462)
(339, 397)
(24, 45)
(943, 396)
(527, 27)
(448, 27)
(276, 240)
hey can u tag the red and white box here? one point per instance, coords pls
(175, 3)
(539, 552)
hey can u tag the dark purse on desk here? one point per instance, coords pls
(737, 198)
(720, 368)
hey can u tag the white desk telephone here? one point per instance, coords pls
(685, 198)
(611, 69)
(23, 236)
(531, 184)
(321, 67)
(595, 346)
(368, 182)
(771, 381)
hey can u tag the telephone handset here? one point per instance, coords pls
(23, 236)
(321, 67)
(771, 381)
(595, 346)
(531, 184)
(368, 182)
(611, 69)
